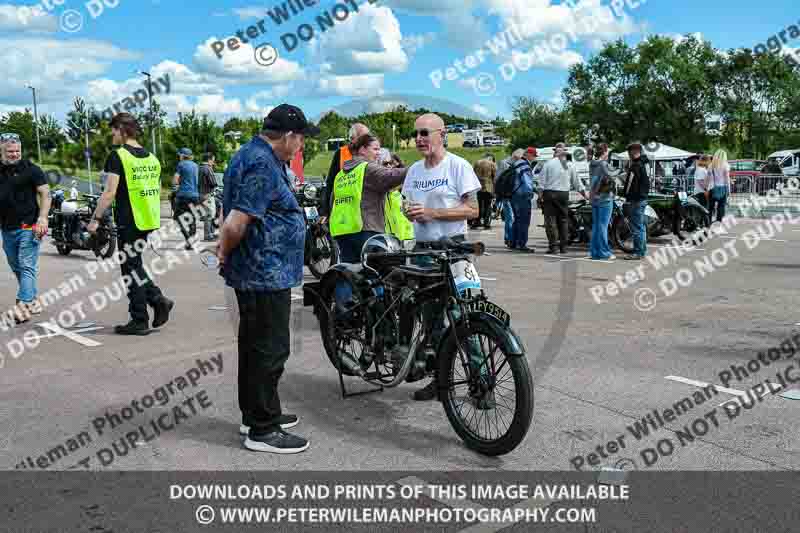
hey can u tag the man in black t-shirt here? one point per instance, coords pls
(23, 220)
(142, 291)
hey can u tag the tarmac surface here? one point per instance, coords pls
(598, 368)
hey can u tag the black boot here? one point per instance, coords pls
(161, 311)
(132, 328)
(428, 392)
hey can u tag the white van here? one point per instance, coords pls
(788, 160)
(575, 154)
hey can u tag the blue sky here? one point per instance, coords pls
(388, 48)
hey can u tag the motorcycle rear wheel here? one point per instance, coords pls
(482, 409)
(63, 249)
(622, 235)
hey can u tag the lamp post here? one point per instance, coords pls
(36, 121)
(152, 118)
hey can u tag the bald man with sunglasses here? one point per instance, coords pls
(442, 190)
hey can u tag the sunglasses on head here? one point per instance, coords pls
(7, 137)
(425, 132)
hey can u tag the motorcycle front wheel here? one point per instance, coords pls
(107, 250)
(489, 403)
(323, 252)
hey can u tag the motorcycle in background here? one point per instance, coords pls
(320, 251)
(68, 223)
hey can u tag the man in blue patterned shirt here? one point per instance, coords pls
(261, 257)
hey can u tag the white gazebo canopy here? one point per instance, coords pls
(663, 153)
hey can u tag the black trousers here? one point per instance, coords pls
(142, 291)
(184, 205)
(263, 350)
(485, 206)
(555, 205)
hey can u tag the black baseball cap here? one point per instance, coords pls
(287, 117)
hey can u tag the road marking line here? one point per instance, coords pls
(485, 527)
(703, 385)
(83, 330)
(69, 334)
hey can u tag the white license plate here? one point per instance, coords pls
(682, 196)
(311, 213)
(465, 275)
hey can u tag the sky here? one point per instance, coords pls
(95, 49)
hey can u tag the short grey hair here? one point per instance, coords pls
(351, 134)
(518, 153)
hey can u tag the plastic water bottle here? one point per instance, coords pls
(210, 261)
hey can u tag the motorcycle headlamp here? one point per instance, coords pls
(310, 192)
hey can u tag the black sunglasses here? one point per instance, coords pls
(425, 132)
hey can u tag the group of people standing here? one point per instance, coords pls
(712, 183)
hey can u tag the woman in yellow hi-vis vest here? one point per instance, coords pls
(358, 198)
(396, 222)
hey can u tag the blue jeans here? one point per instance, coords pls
(22, 252)
(601, 215)
(719, 203)
(522, 219)
(508, 219)
(639, 228)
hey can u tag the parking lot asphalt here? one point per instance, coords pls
(598, 368)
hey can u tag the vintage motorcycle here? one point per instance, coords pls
(68, 225)
(388, 335)
(579, 224)
(320, 250)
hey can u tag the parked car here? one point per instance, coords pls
(744, 173)
(494, 141)
(788, 160)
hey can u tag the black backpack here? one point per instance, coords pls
(504, 187)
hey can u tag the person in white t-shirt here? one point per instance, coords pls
(442, 190)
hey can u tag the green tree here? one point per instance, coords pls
(535, 124)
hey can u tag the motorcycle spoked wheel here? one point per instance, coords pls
(694, 219)
(622, 235)
(323, 253)
(63, 249)
(491, 409)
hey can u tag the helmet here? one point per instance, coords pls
(382, 243)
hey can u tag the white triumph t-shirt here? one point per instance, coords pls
(440, 187)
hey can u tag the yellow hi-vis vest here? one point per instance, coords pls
(396, 222)
(346, 201)
(143, 178)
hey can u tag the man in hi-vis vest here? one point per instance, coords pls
(133, 179)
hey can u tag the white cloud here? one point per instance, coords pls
(255, 106)
(461, 28)
(59, 69)
(414, 43)
(22, 19)
(240, 66)
(253, 12)
(481, 110)
(368, 42)
(356, 86)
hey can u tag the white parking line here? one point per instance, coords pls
(760, 239)
(82, 330)
(59, 331)
(735, 392)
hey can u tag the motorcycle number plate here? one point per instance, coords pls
(682, 196)
(491, 309)
(465, 275)
(311, 213)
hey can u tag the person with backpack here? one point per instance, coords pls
(522, 191)
(602, 195)
(503, 186)
(206, 185)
